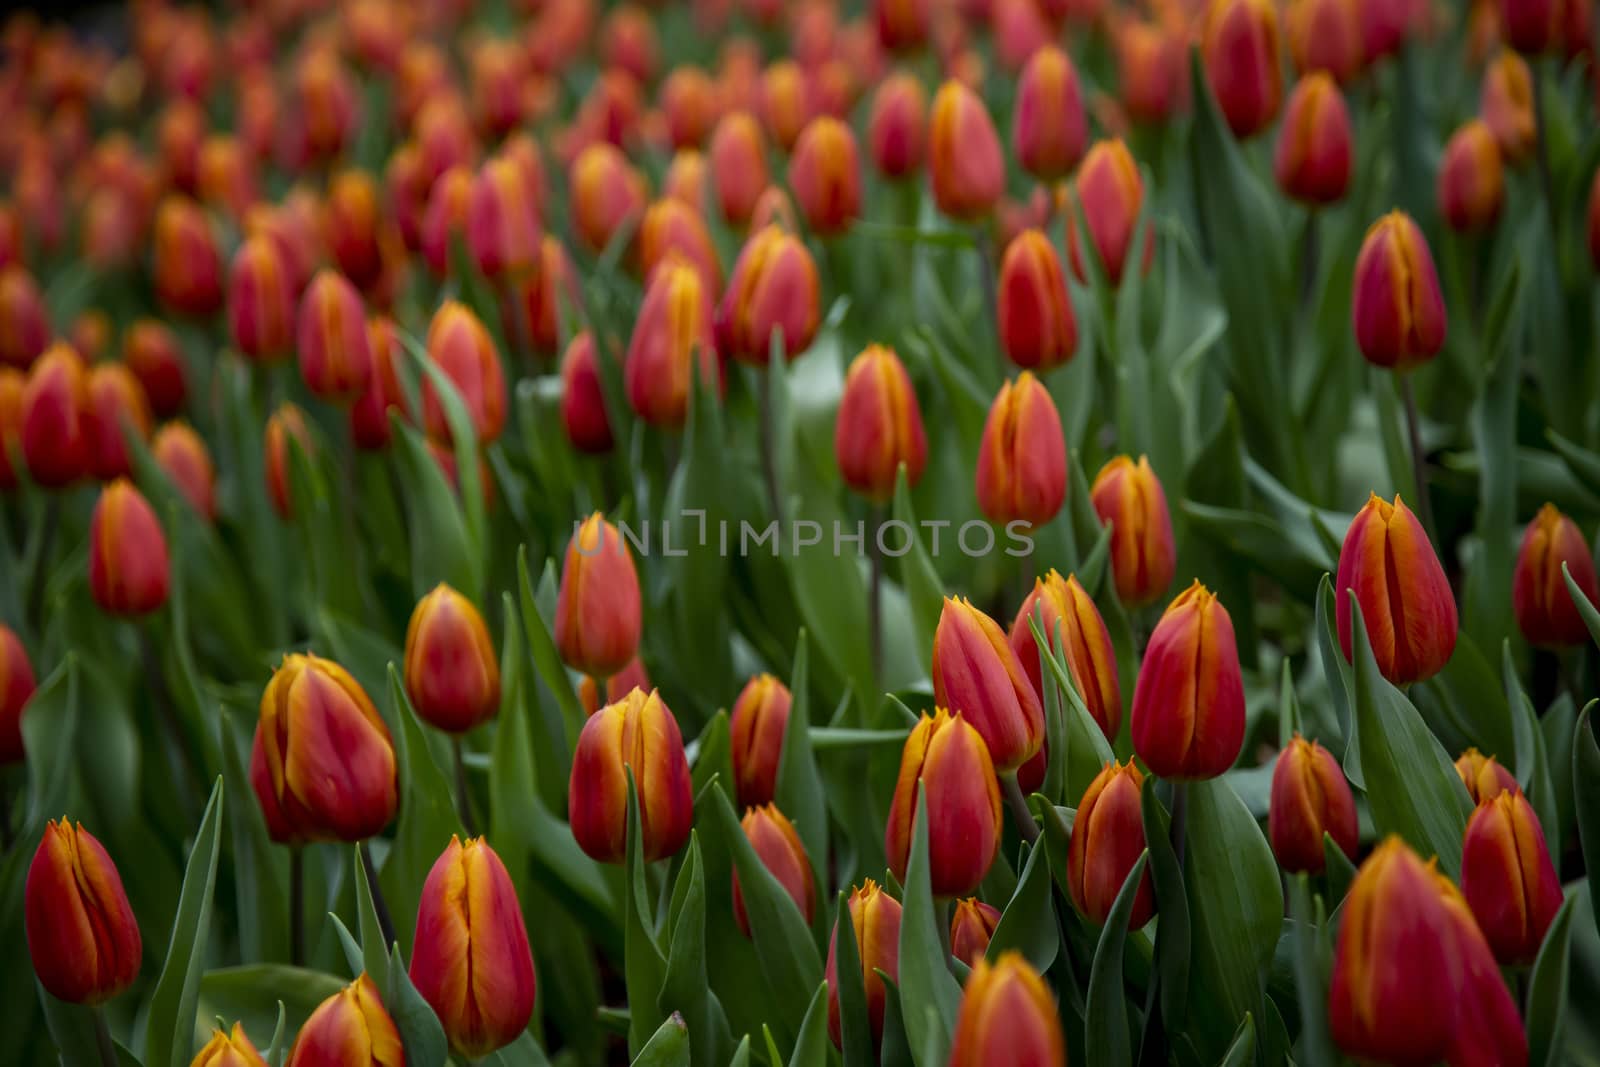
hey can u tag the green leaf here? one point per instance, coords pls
(374, 953)
(1107, 1038)
(1341, 680)
(1173, 936)
(855, 1028)
(1337, 870)
(171, 1023)
(1243, 1049)
(925, 978)
(1086, 750)
(667, 1047)
(420, 1030)
(1586, 790)
(260, 885)
(1311, 987)
(1591, 614)
(799, 791)
(644, 968)
(72, 1030)
(1531, 764)
(685, 989)
(464, 438)
(546, 659)
(276, 1049)
(1028, 922)
(813, 1047)
(1548, 990)
(257, 994)
(918, 575)
(441, 543)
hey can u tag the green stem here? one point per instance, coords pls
(1419, 461)
(463, 792)
(41, 559)
(379, 905)
(102, 1037)
(875, 594)
(1546, 176)
(297, 905)
(1019, 807)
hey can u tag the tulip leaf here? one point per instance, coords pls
(799, 791)
(685, 989)
(464, 439)
(1107, 1040)
(741, 1055)
(72, 1030)
(1054, 786)
(546, 658)
(1173, 936)
(1337, 869)
(1479, 707)
(713, 756)
(669, 1046)
(1085, 751)
(1411, 781)
(1531, 764)
(1341, 680)
(255, 995)
(855, 1027)
(895, 1049)
(644, 968)
(441, 544)
(1591, 614)
(1586, 790)
(925, 979)
(352, 949)
(1028, 922)
(259, 872)
(1548, 989)
(1310, 973)
(374, 952)
(813, 1047)
(1243, 1049)
(924, 589)
(275, 1050)
(171, 1022)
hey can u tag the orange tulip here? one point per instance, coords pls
(1129, 497)
(583, 405)
(335, 350)
(1508, 877)
(1310, 797)
(897, 131)
(1022, 458)
(349, 1029)
(461, 346)
(182, 454)
(1037, 327)
(1484, 776)
(1240, 47)
(1188, 703)
(1049, 130)
(1472, 182)
(451, 672)
(1111, 192)
(972, 924)
(151, 352)
(16, 689)
(54, 430)
(117, 406)
(965, 164)
(606, 194)
(879, 425)
(229, 1050)
(774, 287)
(875, 916)
(502, 220)
(738, 165)
(1008, 1015)
(369, 415)
(597, 608)
(1545, 611)
(671, 335)
(756, 727)
(287, 423)
(128, 568)
(1406, 602)
(1396, 303)
(1063, 603)
(1312, 161)
(24, 320)
(353, 221)
(950, 761)
(82, 935)
(1506, 106)
(825, 174)
(673, 227)
(780, 850)
(1107, 840)
(1326, 35)
(186, 266)
(261, 300)
(639, 733)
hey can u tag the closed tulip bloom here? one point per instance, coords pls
(1396, 304)
(444, 220)
(1325, 35)
(1152, 70)
(150, 351)
(687, 179)
(779, 847)
(897, 131)
(671, 335)
(1310, 797)
(639, 733)
(1384, 26)
(451, 672)
(1405, 598)
(351, 1029)
(972, 924)
(875, 916)
(1022, 459)
(1472, 182)
(54, 432)
(545, 297)
(606, 192)
(1107, 840)
(182, 455)
(1188, 704)
(583, 404)
(597, 608)
(1489, 1030)
(16, 688)
(1037, 327)
(117, 406)
(1008, 1015)
(352, 221)
(1049, 130)
(1531, 26)
(786, 102)
(187, 267)
(24, 320)
(951, 762)
(689, 105)
(1062, 603)
(1242, 57)
(229, 1050)
(461, 346)
(261, 301)
(369, 415)
(1505, 103)
(902, 24)
(82, 935)
(331, 336)
(1484, 776)
(470, 958)
(286, 429)
(774, 287)
(965, 164)
(825, 174)
(502, 220)
(879, 425)
(12, 384)
(1508, 878)
(673, 227)
(1111, 192)
(1312, 161)
(1545, 611)
(773, 209)
(619, 685)
(738, 159)
(756, 727)
(1128, 496)
(977, 674)
(322, 765)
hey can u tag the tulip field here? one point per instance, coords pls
(800, 533)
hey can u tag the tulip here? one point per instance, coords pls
(902, 24)
(1310, 797)
(1152, 70)
(1397, 967)
(670, 336)
(82, 936)
(543, 297)
(972, 924)
(229, 1050)
(24, 319)
(583, 407)
(1240, 48)
(965, 163)
(1489, 1030)
(1545, 611)
(151, 352)
(498, 71)
(180, 130)
(1111, 193)
(90, 334)
(786, 104)
(182, 455)
(1107, 840)
(756, 728)
(1312, 161)
(597, 608)
(1384, 26)
(619, 685)
(322, 764)
(897, 131)
(369, 415)
(353, 222)
(1022, 459)
(825, 174)
(1188, 703)
(350, 1029)
(1506, 106)
(978, 675)
(1049, 130)
(1062, 603)
(445, 219)
(686, 178)
(261, 300)
(1008, 1015)
(451, 672)
(16, 688)
(672, 227)
(1531, 26)
(774, 287)
(1472, 183)
(331, 335)
(460, 345)
(1396, 304)
(1037, 326)
(780, 850)
(1326, 35)
(1130, 498)
(502, 220)
(117, 405)
(879, 425)
(950, 761)
(639, 733)
(738, 165)
(773, 209)
(187, 267)
(128, 568)
(54, 432)
(689, 104)
(875, 917)
(1410, 612)
(1508, 878)
(12, 385)
(470, 958)
(606, 194)
(1484, 776)
(286, 423)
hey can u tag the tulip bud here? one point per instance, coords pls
(774, 287)
(1396, 303)
(1508, 878)
(24, 319)
(1545, 612)
(351, 1029)
(502, 220)
(875, 916)
(12, 384)
(90, 334)
(1037, 326)
(182, 455)
(16, 688)
(965, 163)
(444, 221)
(1531, 26)
(117, 406)
(948, 757)
(451, 672)
(1506, 106)
(1130, 498)
(285, 423)
(583, 406)
(1152, 70)
(1472, 183)
(261, 298)
(1312, 161)
(187, 267)
(1405, 598)
(897, 131)
(689, 104)
(670, 336)
(606, 193)
(1325, 35)
(671, 227)
(1310, 797)
(972, 924)
(322, 764)
(54, 431)
(1240, 47)
(756, 727)
(1022, 459)
(542, 297)
(331, 335)
(1008, 1015)
(229, 1050)
(738, 165)
(1107, 840)
(597, 609)
(825, 174)
(461, 347)
(1188, 703)
(151, 352)
(81, 932)
(978, 675)
(1049, 130)
(1489, 1027)
(1484, 776)
(369, 415)
(786, 104)
(879, 425)
(779, 847)
(686, 178)
(1397, 964)
(640, 733)
(1063, 603)
(1111, 193)
(353, 221)
(1384, 26)
(470, 958)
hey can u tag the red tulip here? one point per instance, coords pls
(1406, 602)
(948, 758)
(82, 935)
(639, 733)
(1310, 797)
(1188, 704)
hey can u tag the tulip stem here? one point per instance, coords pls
(1419, 462)
(102, 1037)
(941, 910)
(1542, 139)
(986, 279)
(769, 448)
(875, 595)
(297, 906)
(1180, 819)
(1309, 255)
(1019, 807)
(41, 559)
(463, 793)
(379, 905)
